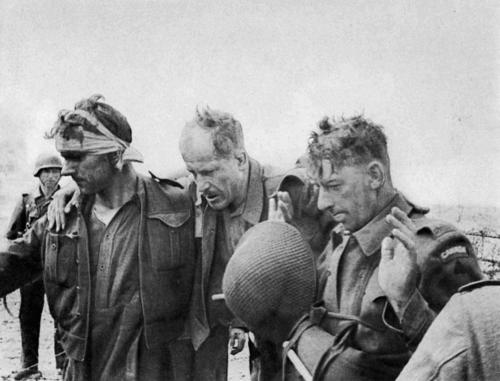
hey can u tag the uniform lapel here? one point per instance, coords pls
(207, 246)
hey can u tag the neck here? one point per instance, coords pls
(46, 191)
(121, 189)
(242, 190)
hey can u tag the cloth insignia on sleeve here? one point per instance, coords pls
(458, 251)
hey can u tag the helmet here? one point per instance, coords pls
(270, 280)
(46, 160)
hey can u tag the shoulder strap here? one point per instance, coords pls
(480, 283)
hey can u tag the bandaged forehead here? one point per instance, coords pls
(90, 142)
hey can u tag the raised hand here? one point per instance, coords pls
(280, 207)
(398, 270)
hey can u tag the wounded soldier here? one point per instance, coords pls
(383, 276)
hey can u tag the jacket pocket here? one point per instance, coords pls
(60, 264)
(169, 237)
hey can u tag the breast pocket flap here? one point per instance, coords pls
(172, 219)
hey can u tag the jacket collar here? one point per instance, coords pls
(251, 209)
(370, 236)
(37, 193)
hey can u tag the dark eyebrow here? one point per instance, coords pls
(72, 155)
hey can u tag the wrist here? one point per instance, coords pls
(400, 303)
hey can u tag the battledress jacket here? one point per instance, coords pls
(263, 182)
(166, 253)
(463, 342)
(362, 339)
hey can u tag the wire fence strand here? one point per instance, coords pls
(487, 246)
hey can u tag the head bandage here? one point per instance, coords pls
(97, 144)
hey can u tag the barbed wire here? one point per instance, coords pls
(483, 234)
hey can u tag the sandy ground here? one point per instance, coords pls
(10, 346)
(10, 342)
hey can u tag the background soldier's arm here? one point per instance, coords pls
(17, 222)
(20, 260)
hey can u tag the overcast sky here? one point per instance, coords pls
(427, 70)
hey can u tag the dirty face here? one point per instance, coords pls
(49, 178)
(221, 180)
(345, 193)
(92, 173)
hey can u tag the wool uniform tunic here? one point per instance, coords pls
(362, 337)
(120, 294)
(463, 342)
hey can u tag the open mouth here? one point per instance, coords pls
(339, 216)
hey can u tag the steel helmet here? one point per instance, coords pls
(47, 160)
(270, 280)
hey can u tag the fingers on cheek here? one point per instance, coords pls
(404, 239)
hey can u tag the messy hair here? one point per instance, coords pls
(225, 130)
(347, 141)
(71, 125)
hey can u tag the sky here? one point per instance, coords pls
(428, 71)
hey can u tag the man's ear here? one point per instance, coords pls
(242, 159)
(376, 174)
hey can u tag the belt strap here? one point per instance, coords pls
(339, 345)
(296, 333)
(319, 313)
(316, 316)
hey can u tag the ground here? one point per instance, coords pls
(10, 346)
(10, 342)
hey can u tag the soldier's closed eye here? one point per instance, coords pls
(333, 186)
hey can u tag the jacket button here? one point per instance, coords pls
(78, 314)
(77, 288)
(53, 246)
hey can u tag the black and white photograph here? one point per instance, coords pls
(248, 190)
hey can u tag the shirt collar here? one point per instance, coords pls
(38, 192)
(370, 236)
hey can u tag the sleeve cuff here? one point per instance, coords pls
(414, 319)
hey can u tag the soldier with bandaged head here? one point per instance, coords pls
(118, 274)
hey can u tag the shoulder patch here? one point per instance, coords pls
(165, 181)
(478, 284)
(453, 252)
(442, 241)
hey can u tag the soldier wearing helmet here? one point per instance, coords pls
(29, 208)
